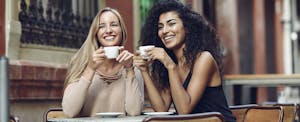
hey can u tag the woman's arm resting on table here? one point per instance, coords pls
(74, 94)
(134, 100)
(160, 100)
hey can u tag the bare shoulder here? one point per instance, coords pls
(206, 65)
(205, 61)
(205, 56)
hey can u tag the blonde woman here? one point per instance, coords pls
(95, 83)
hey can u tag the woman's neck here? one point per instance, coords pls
(109, 65)
(179, 54)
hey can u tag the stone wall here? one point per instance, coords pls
(34, 87)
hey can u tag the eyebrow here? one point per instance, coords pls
(109, 23)
(168, 21)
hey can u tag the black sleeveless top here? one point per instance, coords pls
(212, 100)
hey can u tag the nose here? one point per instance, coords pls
(108, 29)
(165, 29)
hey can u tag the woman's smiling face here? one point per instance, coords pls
(171, 30)
(109, 32)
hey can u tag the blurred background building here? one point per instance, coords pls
(40, 36)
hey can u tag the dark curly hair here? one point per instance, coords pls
(200, 36)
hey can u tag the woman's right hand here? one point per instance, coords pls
(140, 63)
(97, 58)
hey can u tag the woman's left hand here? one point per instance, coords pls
(125, 57)
(158, 53)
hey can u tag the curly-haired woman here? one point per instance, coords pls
(185, 62)
(95, 83)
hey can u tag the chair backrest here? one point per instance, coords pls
(289, 112)
(238, 111)
(200, 117)
(54, 113)
(264, 114)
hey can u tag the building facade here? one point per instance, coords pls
(40, 36)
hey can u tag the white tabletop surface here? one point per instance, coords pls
(99, 119)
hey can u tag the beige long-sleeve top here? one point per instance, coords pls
(104, 94)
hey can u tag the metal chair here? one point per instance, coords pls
(290, 110)
(264, 114)
(54, 113)
(200, 117)
(238, 111)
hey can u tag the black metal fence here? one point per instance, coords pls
(59, 26)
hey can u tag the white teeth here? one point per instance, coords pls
(168, 37)
(109, 38)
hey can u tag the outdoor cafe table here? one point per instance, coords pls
(99, 119)
(259, 80)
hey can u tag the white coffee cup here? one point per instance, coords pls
(142, 50)
(111, 52)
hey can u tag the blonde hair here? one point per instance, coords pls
(79, 61)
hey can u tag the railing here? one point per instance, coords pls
(59, 26)
(259, 80)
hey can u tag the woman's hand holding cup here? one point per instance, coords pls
(97, 58)
(139, 62)
(141, 58)
(143, 51)
(158, 53)
(125, 58)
